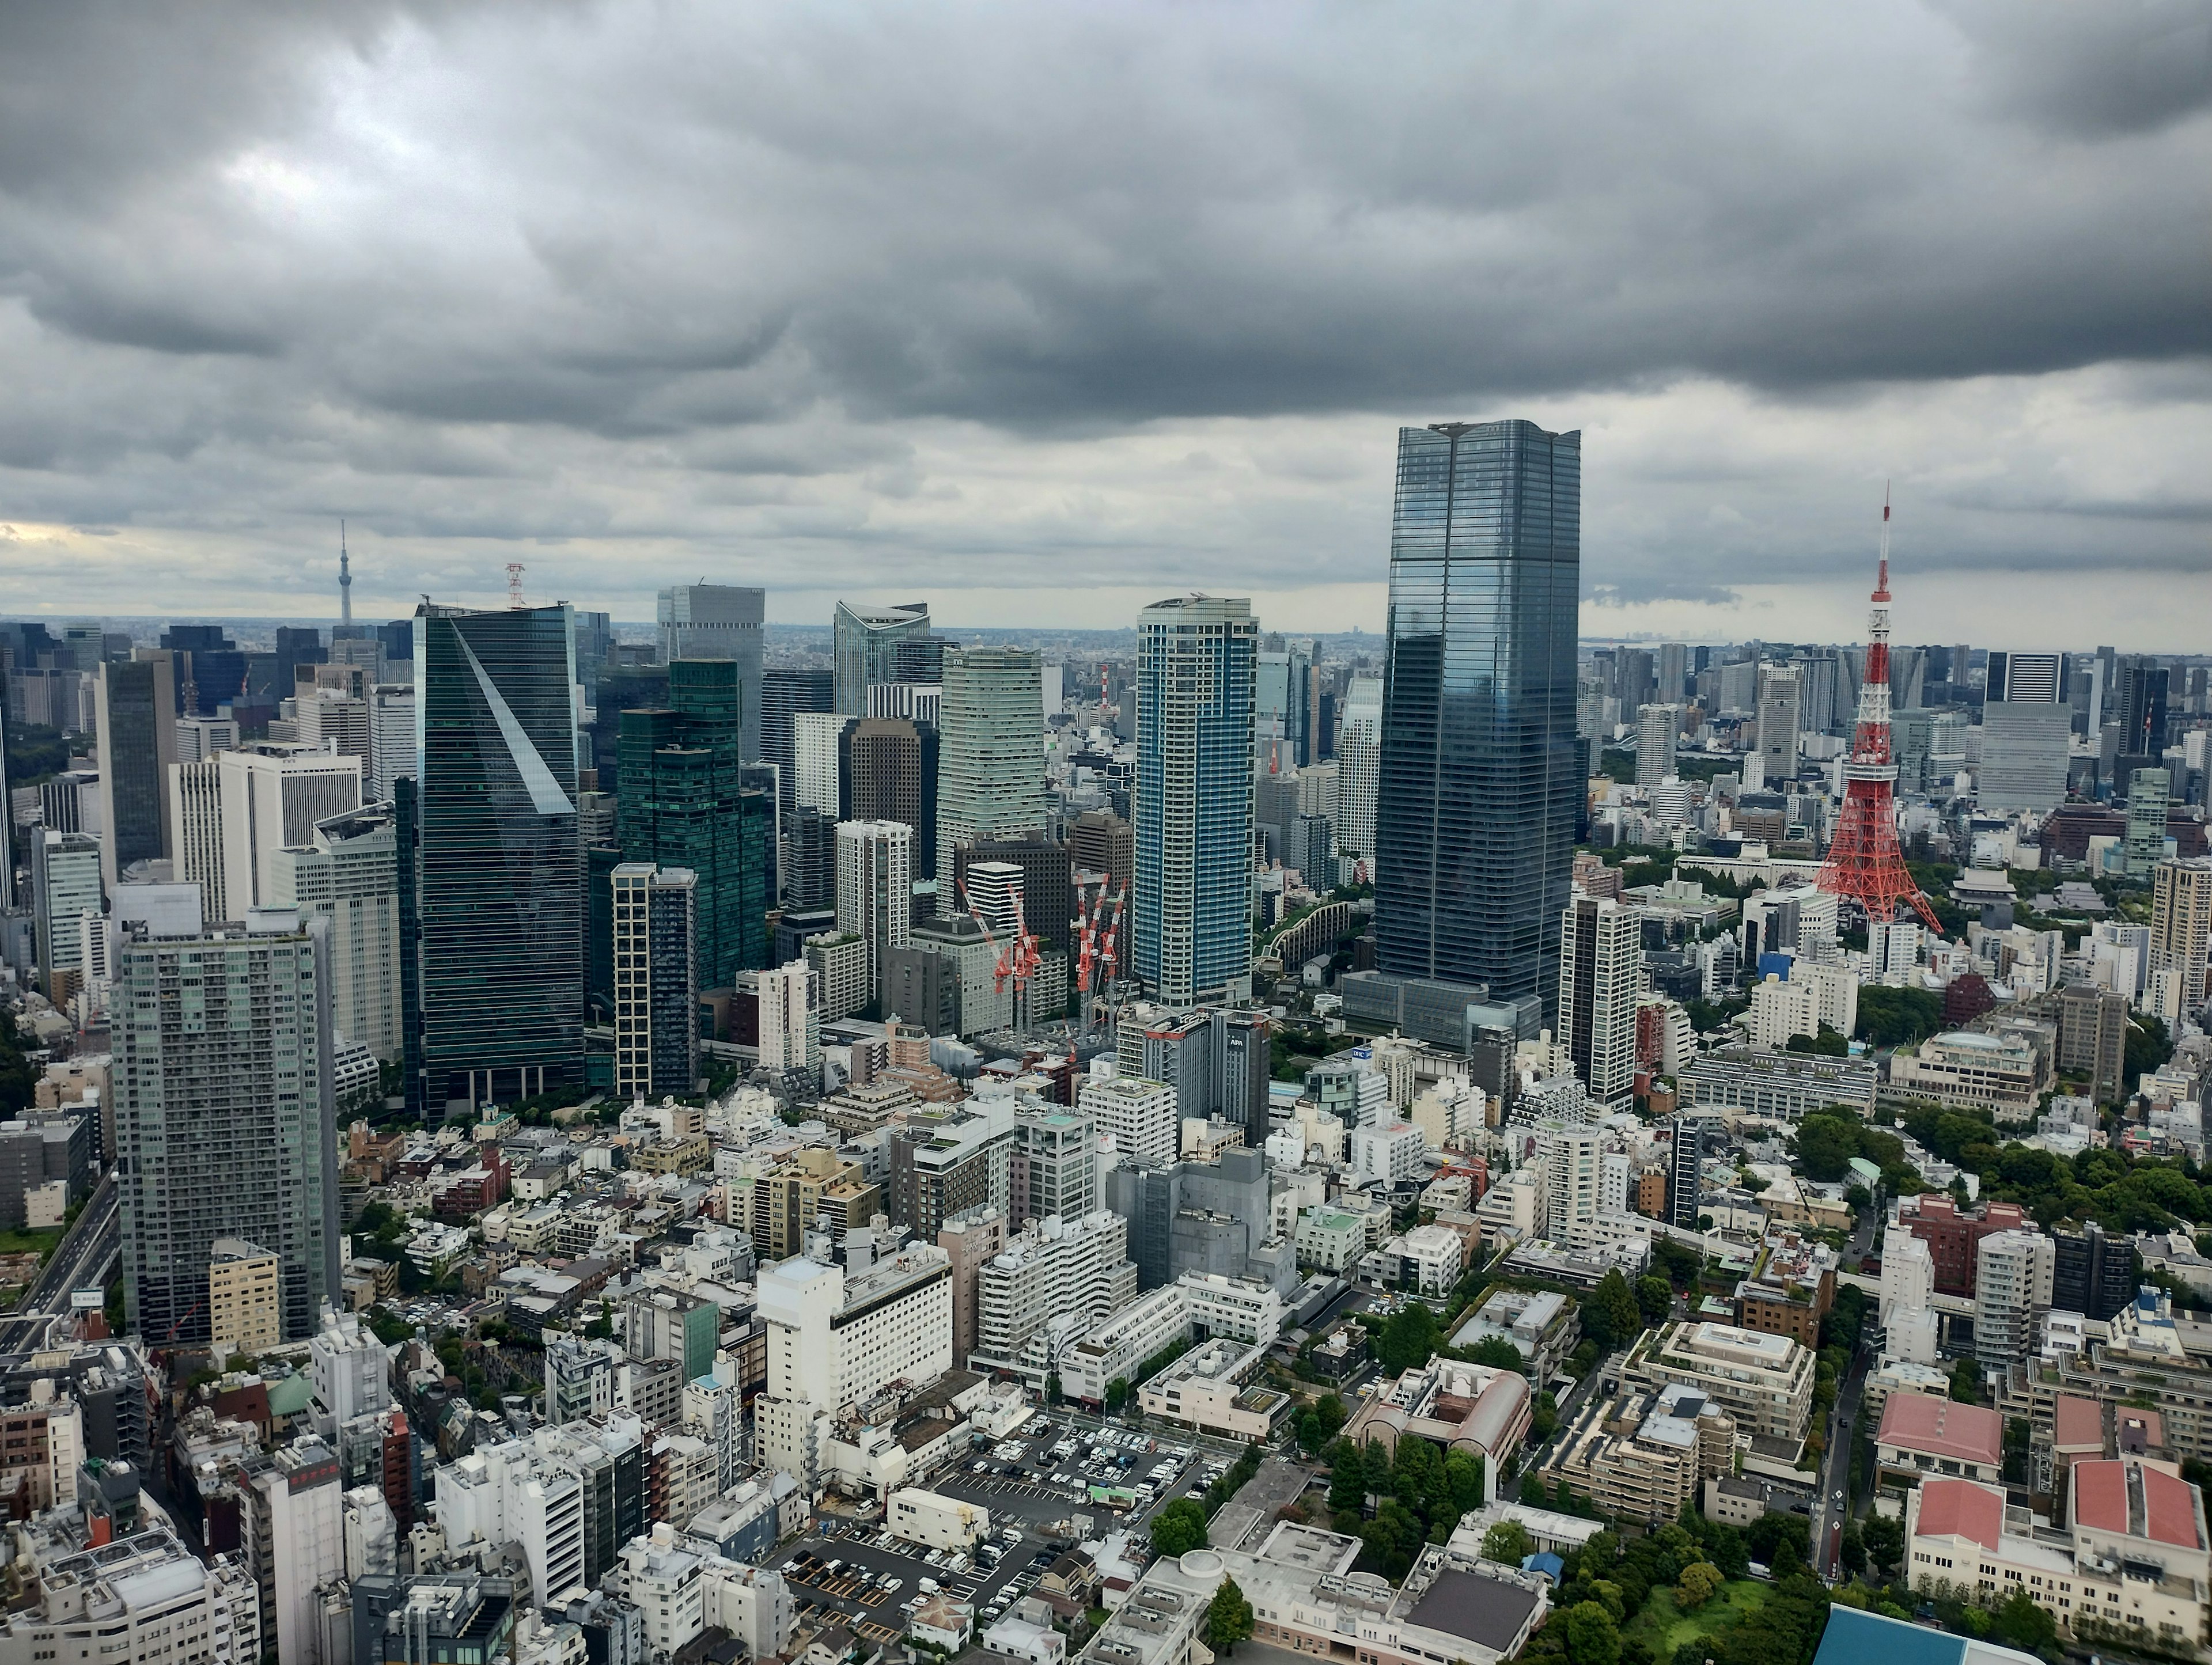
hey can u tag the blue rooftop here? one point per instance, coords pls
(1853, 1637)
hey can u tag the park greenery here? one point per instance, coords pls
(1393, 1505)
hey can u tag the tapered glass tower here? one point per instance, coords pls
(1479, 775)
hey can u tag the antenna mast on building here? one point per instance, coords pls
(515, 585)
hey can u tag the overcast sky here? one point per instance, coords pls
(1040, 312)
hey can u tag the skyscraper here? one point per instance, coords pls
(684, 804)
(656, 980)
(1601, 967)
(500, 885)
(865, 646)
(990, 775)
(2148, 791)
(2181, 928)
(224, 1118)
(887, 770)
(1480, 780)
(791, 1019)
(137, 725)
(875, 890)
(65, 887)
(721, 622)
(274, 793)
(1779, 721)
(1191, 911)
(1657, 728)
(2039, 677)
(1686, 1162)
(2027, 731)
(349, 873)
(785, 691)
(1358, 761)
(1282, 701)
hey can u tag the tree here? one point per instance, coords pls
(1852, 1549)
(1332, 1414)
(1967, 1382)
(1507, 1541)
(1624, 1317)
(1179, 1527)
(2021, 1623)
(1884, 1538)
(1532, 1491)
(1347, 1479)
(1592, 1637)
(1228, 1618)
(1498, 1353)
(1117, 1394)
(1826, 1146)
(1698, 1582)
(1654, 1300)
(1409, 1339)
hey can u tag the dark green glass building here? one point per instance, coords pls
(683, 805)
(500, 875)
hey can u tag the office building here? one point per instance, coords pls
(684, 803)
(391, 737)
(1600, 974)
(65, 885)
(721, 622)
(808, 859)
(991, 782)
(224, 1117)
(1657, 727)
(2149, 793)
(1779, 718)
(817, 743)
(149, 1598)
(2141, 686)
(1190, 912)
(1480, 784)
(2092, 1039)
(136, 720)
(2181, 928)
(196, 832)
(500, 872)
(350, 875)
(888, 769)
(1359, 760)
(791, 1019)
(246, 1308)
(1055, 1167)
(2025, 748)
(2031, 679)
(274, 793)
(1042, 874)
(2091, 1273)
(787, 691)
(1282, 697)
(199, 737)
(864, 644)
(837, 1337)
(875, 891)
(656, 980)
(1101, 842)
(1138, 1114)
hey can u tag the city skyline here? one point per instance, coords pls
(1101, 373)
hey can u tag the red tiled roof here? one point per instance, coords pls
(2171, 1507)
(1961, 1508)
(2100, 1496)
(2077, 1424)
(1942, 1428)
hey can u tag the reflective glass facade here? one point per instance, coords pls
(1478, 780)
(1192, 908)
(500, 887)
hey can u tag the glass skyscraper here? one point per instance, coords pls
(500, 886)
(684, 804)
(1479, 778)
(864, 648)
(1192, 908)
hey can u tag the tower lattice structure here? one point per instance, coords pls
(1864, 861)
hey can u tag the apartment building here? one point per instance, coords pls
(1641, 1457)
(1048, 1285)
(1764, 1382)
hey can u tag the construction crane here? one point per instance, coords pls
(1096, 923)
(1016, 961)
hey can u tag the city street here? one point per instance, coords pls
(82, 1260)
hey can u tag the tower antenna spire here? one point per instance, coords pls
(345, 579)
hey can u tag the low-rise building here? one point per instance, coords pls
(1113, 1351)
(2006, 1073)
(1428, 1260)
(1922, 1435)
(1330, 1238)
(1764, 1081)
(2130, 1562)
(936, 1520)
(1207, 1389)
(1542, 1325)
(1475, 1408)
(1642, 1457)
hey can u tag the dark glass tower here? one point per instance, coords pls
(684, 804)
(500, 885)
(1479, 778)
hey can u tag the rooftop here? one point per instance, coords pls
(1941, 1427)
(1486, 1611)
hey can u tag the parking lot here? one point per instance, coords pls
(1043, 1474)
(871, 1581)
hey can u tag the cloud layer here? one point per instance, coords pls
(1014, 305)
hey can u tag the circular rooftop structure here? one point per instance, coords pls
(1199, 1563)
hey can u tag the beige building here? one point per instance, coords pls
(1764, 1382)
(2131, 1561)
(1641, 1457)
(2006, 1073)
(1207, 1389)
(246, 1303)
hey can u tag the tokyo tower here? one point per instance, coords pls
(1864, 862)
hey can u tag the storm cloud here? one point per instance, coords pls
(1028, 307)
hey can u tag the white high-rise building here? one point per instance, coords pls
(1600, 974)
(273, 792)
(1057, 1279)
(1359, 765)
(1908, 1272)
(2013, 1273)
(1779, 715)
(2181, 928)
(790, 1018)
(350, 874)
(835, 1339)
(1657, 729)
(331, 720)
(509, 1493)
(351, 1368)
(875, 889)
(990, 760)
(295, 1544)
(196, 832)
(391, 737)
(199, 737)
(814, 759)
(1139, 1115)
(1569, 1163)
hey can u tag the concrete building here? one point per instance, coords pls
(2181, 928)
(1764, 1382)
(1569, 1162)
(1138, 1115)
(1209, 1388)
(1600, 974)
(1474, 1408)
(791, 1019)
(935, 1521)
(2006, 1073)
(348, 872)
(1056, 1280)
(875, 890)
(991, 777)
(1923, 1437)
(2012, 1292)
(246, 1311)
(1113, 1351)
(1779, 722)
(65, 885)
(143, 1597)
(274, 794)
(1642, 1456)
(656, 980)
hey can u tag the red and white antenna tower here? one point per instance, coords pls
(1864, 862)
(515, 585)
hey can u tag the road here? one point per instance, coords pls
(85, 1260)
(1830, 1516)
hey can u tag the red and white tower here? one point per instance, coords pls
(1864, 861)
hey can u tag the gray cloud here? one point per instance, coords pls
(823, 292)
